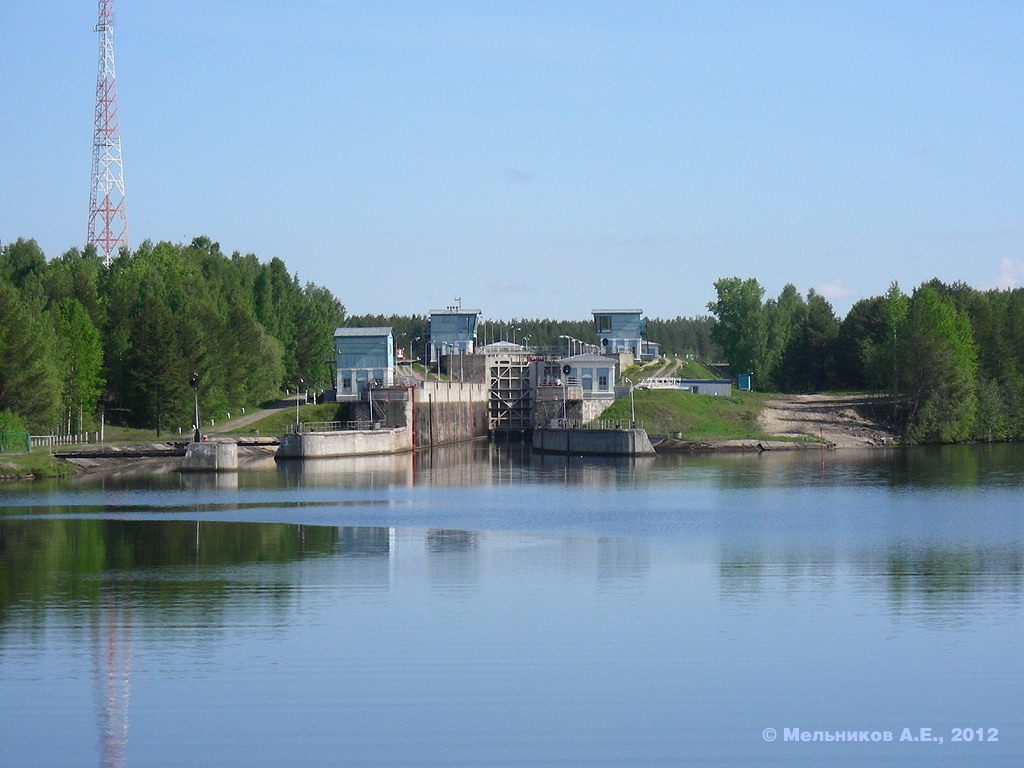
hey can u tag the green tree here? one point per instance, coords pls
(319, 314)
(938, 374)
(29, 384)
(741, 329)
(861, 346)
(81, 357)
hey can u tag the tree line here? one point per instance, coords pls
(680, 335)
(949, 358)
(77, 337)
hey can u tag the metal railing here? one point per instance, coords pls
(310, 427)
(598, 424)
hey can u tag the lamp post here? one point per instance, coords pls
(632, 410)
(193, 381)
(298, 385)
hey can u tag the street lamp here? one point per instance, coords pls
(298, 385)
(632, 410)
(193, 381)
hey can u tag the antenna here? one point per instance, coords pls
(108, 223)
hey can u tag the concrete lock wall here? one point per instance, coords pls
(318, 445)
(449, 412)
(593, 442)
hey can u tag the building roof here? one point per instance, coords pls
(500, 346)
(363, 332)
(456, 312)
(616, 311)
(587, 357)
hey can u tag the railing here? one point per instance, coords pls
(310, 427)
(51, 441)
(598, 424)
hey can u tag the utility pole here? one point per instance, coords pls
(108, 222)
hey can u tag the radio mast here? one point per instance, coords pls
(108, 223)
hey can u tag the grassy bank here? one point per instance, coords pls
(663, 367)
(39, 464)
(278, 422)
(697, 417)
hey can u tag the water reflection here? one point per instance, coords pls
(928, 467)
(112, 664)
(923, 580)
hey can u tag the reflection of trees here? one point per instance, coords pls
(75, 559)
(946, 466)
(927, 575)
(943, 574)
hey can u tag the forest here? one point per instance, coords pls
(948, 359)
(77, 337)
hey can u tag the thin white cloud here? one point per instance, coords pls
(509, 286)
(1010, 275)
(630, 241)
(515, 176)
(836, 290)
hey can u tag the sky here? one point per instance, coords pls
(538, 159)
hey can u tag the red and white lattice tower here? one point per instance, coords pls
(108, 223)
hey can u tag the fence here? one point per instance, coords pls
(14, 440)
(599, 424)
(52, 441)
(307, 427)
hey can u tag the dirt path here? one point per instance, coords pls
(251, 417)
(838, 419)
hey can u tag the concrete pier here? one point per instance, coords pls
(210, 457)
(593, 442)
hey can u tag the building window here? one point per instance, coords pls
(604, 323)
(346, 383)
(602, 382)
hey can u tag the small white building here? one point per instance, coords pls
(595, 374)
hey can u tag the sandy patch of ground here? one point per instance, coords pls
(838, 419)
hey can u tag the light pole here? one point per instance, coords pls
(193, 381)
(298, 385)
(632, 410)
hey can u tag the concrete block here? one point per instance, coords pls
(210, 457)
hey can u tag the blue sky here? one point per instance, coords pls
(538, 159)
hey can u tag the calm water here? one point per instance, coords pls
(479, 607)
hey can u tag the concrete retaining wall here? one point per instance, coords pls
(449, 412)
(319, 445)
(593, 442)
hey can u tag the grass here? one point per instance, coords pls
(674, 367)
(697, 417)
(39, 464)
(278, 422)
